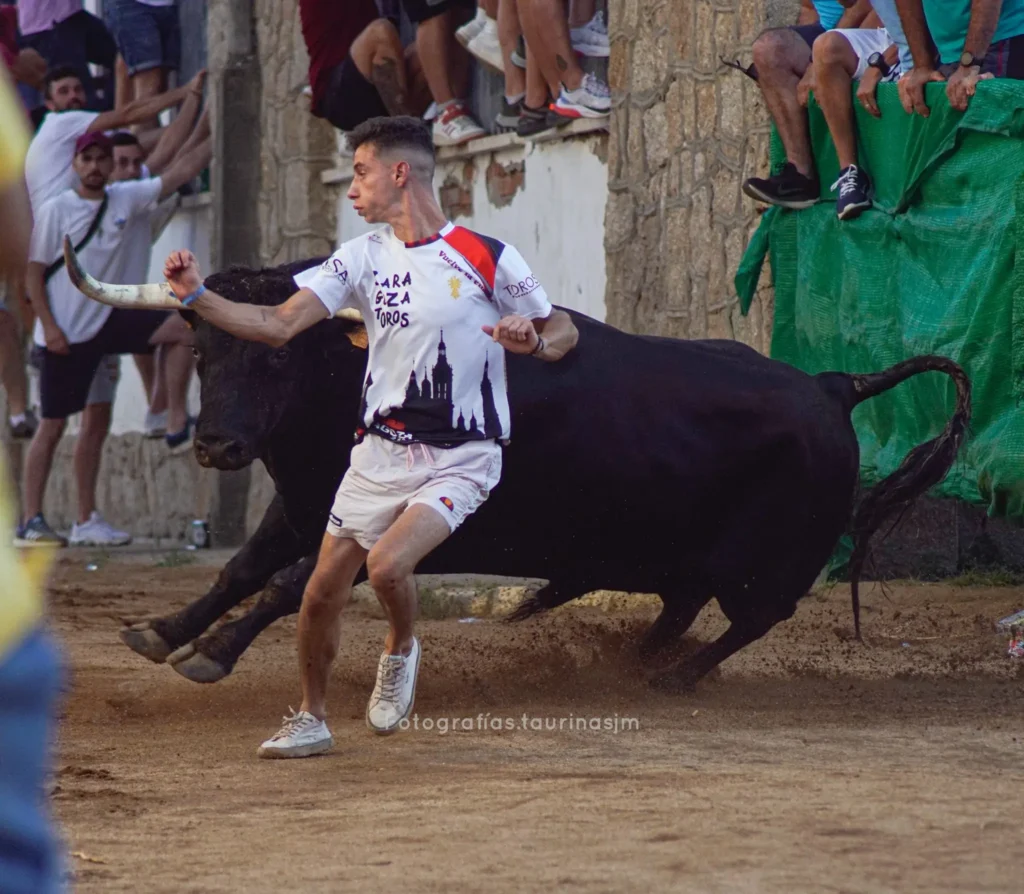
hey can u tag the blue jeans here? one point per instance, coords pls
(30, 853)
(148, 36)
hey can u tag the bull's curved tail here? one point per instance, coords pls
(924, 467)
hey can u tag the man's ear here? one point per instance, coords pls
(402, 173)
(358, 337)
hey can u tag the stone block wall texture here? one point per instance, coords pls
(685, 132)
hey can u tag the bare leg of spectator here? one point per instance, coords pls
(446, 68)
(12, 366)
(834, 65)
(37, 465)
(782, 57)
(145, 85)
(88, 452)
(378, 54)
(145, 365)
(437, 50)
(581, 12)
(509, 31)
(546, 28)
(158, 396)
(122, 84)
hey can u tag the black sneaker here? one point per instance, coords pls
(788, 189)
(24, 428)
(854, 193)
(532, 121)
(36, 532)
(507, 120)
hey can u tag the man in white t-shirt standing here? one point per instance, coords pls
(441, 306)
(75, 332)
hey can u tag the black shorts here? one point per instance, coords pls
(349, 99)
(809, 33)
(421, 10)
(64, 379)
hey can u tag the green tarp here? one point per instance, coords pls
(931, 269)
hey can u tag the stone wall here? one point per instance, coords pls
(685, 132)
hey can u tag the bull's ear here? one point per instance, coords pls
(358, 337)
(190, 317)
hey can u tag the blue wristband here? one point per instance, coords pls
(189, 300)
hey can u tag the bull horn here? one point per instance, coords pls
(149, 296)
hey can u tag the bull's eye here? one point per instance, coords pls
(280, 358)
(195, 352)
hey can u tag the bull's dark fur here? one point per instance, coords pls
(691, 469)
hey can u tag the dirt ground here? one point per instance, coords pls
(811, 763)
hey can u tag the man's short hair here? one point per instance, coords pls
(58, 74)
(124, 138)
(399, 132)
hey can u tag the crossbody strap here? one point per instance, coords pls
(93, 227)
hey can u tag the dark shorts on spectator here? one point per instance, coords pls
(77, 41)
(148, 36)
(349, 98)
(1004, 59)
(64, 379)
(809, 33)
(421, 10)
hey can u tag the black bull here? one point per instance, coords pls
(690, 469)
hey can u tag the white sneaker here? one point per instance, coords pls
(472, 28)
(156, 424)
(395, 692)
(454, 125)
(591, 99)
(591, 39)
(301, 736)
(96, 532)
(485, 46)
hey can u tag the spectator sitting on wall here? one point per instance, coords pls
(577, 94)
(446, 67)
(960, 42)
(871, 56)
(357, 66)
(65, 35)
(148, 38)
(783, 60)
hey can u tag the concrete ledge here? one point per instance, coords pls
(485, 145)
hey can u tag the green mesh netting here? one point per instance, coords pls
(931, 269)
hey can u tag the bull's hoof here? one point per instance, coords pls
(196, 666)
(147, 642)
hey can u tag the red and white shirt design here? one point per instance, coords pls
(433, 376)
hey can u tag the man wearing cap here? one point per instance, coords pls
(75, 332)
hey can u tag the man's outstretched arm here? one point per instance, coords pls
(272, 325)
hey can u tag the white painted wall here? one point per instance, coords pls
(556, 220)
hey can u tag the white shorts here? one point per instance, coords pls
(866, 41)
(384, 479)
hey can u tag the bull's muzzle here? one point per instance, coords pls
(221, 452)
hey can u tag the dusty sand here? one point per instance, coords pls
(811, 763)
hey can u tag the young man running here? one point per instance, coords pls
(441, 306)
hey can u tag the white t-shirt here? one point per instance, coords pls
(48, 170)
(80, 318)
(433, 375)
(41, 15)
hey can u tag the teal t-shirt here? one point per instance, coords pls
(948, 21)
(829, 12)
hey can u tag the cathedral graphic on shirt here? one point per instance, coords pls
(428, 412)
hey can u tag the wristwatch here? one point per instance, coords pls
(877, 60)
(967, 60)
